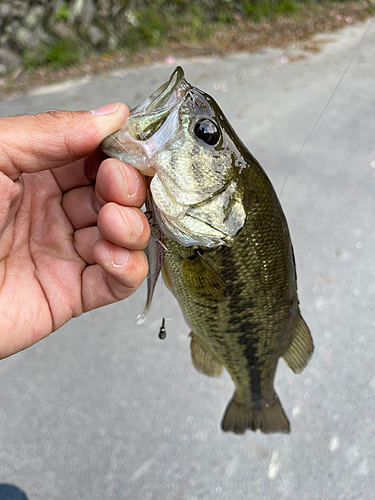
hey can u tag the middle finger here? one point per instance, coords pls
(120, 183)
(116, 182)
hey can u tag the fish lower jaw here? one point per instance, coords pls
(121, 146)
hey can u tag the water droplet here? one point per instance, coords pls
(334, 444)
(141, 318)
(359, 244)
(363, 469)
(218, 489)
(356, 291)
(274, 465)
(296, 411)
(372, 164)
(167, 431)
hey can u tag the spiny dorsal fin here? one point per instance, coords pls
(203, 360)
(299, 352)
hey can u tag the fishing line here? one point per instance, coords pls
(115, 139)
(326, 105)
(162, 331)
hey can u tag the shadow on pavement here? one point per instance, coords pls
(11, 492)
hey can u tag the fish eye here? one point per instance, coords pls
(207, 131)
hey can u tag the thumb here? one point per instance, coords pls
(30, 143)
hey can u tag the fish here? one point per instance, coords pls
(221, 241)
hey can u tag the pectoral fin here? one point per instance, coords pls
(202, 281)
(299, 352)
(203, 360)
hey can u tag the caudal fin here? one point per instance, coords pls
(240, 416)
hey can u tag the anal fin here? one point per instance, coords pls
(300, 349)
(203, 360)
(269, 418)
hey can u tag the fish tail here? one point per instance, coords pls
(269, 418)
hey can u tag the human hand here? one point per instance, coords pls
(71, 235)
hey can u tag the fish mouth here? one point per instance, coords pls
(146, 119)
(162, 95)
(137, 140)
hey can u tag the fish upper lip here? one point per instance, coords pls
(161, 98)
(176, 80)
(158, 106)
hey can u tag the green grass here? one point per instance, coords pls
(261, 10)
(62, 13)
(59, 55)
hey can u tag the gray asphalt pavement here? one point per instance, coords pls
(103, 409)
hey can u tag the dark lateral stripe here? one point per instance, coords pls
(245, 326)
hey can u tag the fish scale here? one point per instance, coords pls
(246, 331)
(229, 258)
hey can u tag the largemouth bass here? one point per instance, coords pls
(220, 235)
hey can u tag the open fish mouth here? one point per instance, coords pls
(165, 93)
(136, 141)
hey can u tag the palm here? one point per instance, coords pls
(71, 235)
(41, 271)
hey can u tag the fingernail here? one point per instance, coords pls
(107, 109)
(131, 180)
(120, 255)
(134, 221)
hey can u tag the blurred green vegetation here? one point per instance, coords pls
(62, 13)
(152, 23)
(157, 20)
(61, 54)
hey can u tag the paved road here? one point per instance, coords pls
(105, 410)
